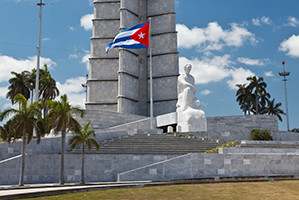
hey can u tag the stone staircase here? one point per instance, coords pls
(153, 144)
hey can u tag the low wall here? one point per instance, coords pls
(242, 123)
(246, 135)
(49, 145)
(101, 168)
(215, 165)
(98, 168)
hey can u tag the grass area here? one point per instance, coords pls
(286, 190)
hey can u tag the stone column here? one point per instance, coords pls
(128, 74)
(165, 55)
(103, 80)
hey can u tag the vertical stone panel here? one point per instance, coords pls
(102, 84)
(131, 80)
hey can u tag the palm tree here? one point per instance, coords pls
(60, 119)
(48, 90)
(83, 137)
(257, 87)
(18, 85)
(4, 132)
(24, 121)
(244, 97)
(273, 109)
(31, 83)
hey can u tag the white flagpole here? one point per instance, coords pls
(41, 4)
(151, 77)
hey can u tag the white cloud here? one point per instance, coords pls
(213, 37)
(256, 21)
(90, 2)
(293, 21)
(86, 21)
(261, 20)
(73, 56)
(45, 39)
(71, 28)
(85, 59)
(208, 69)
(256, 62)
(3, 92)
(290, 46)
(73, 89)
(238, 76)
(269, 74)
(205, 92)
(8, 64)
(216, 69)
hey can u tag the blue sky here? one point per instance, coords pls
(225, 41)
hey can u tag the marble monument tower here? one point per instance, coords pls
(119, 81)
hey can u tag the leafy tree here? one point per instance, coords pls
(257, 87)
(295, 130)
(274, 109)
(18, 85)
(82, 137)
(48, 89)
(23, 122)
(244, 98)
(254, 98)
(3, 133)
(60, 120)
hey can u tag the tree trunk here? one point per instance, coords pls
(256, 105)
(22, 170)
(82, 181)
(62, 156)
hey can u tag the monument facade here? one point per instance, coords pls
(190, 116)
(119, 81)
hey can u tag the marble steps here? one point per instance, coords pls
(152, 144)
(138, 152)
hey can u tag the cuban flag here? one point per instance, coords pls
(136, 37)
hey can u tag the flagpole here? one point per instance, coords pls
(151, 77)
(38, 51)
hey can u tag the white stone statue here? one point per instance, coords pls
(190, 115)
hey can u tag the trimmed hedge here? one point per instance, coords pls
(258, 134)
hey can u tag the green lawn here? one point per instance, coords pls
(282, 190)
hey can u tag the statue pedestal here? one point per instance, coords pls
(191, 120)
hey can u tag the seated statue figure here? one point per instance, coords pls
(190, 115)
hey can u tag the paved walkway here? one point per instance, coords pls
(27, 191)
(36, 190)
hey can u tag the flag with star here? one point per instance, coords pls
(135, 37)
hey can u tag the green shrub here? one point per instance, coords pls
(295, 130)
(258, 134)
(172, 133)
(191, 134)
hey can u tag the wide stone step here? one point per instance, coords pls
(159, 144)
